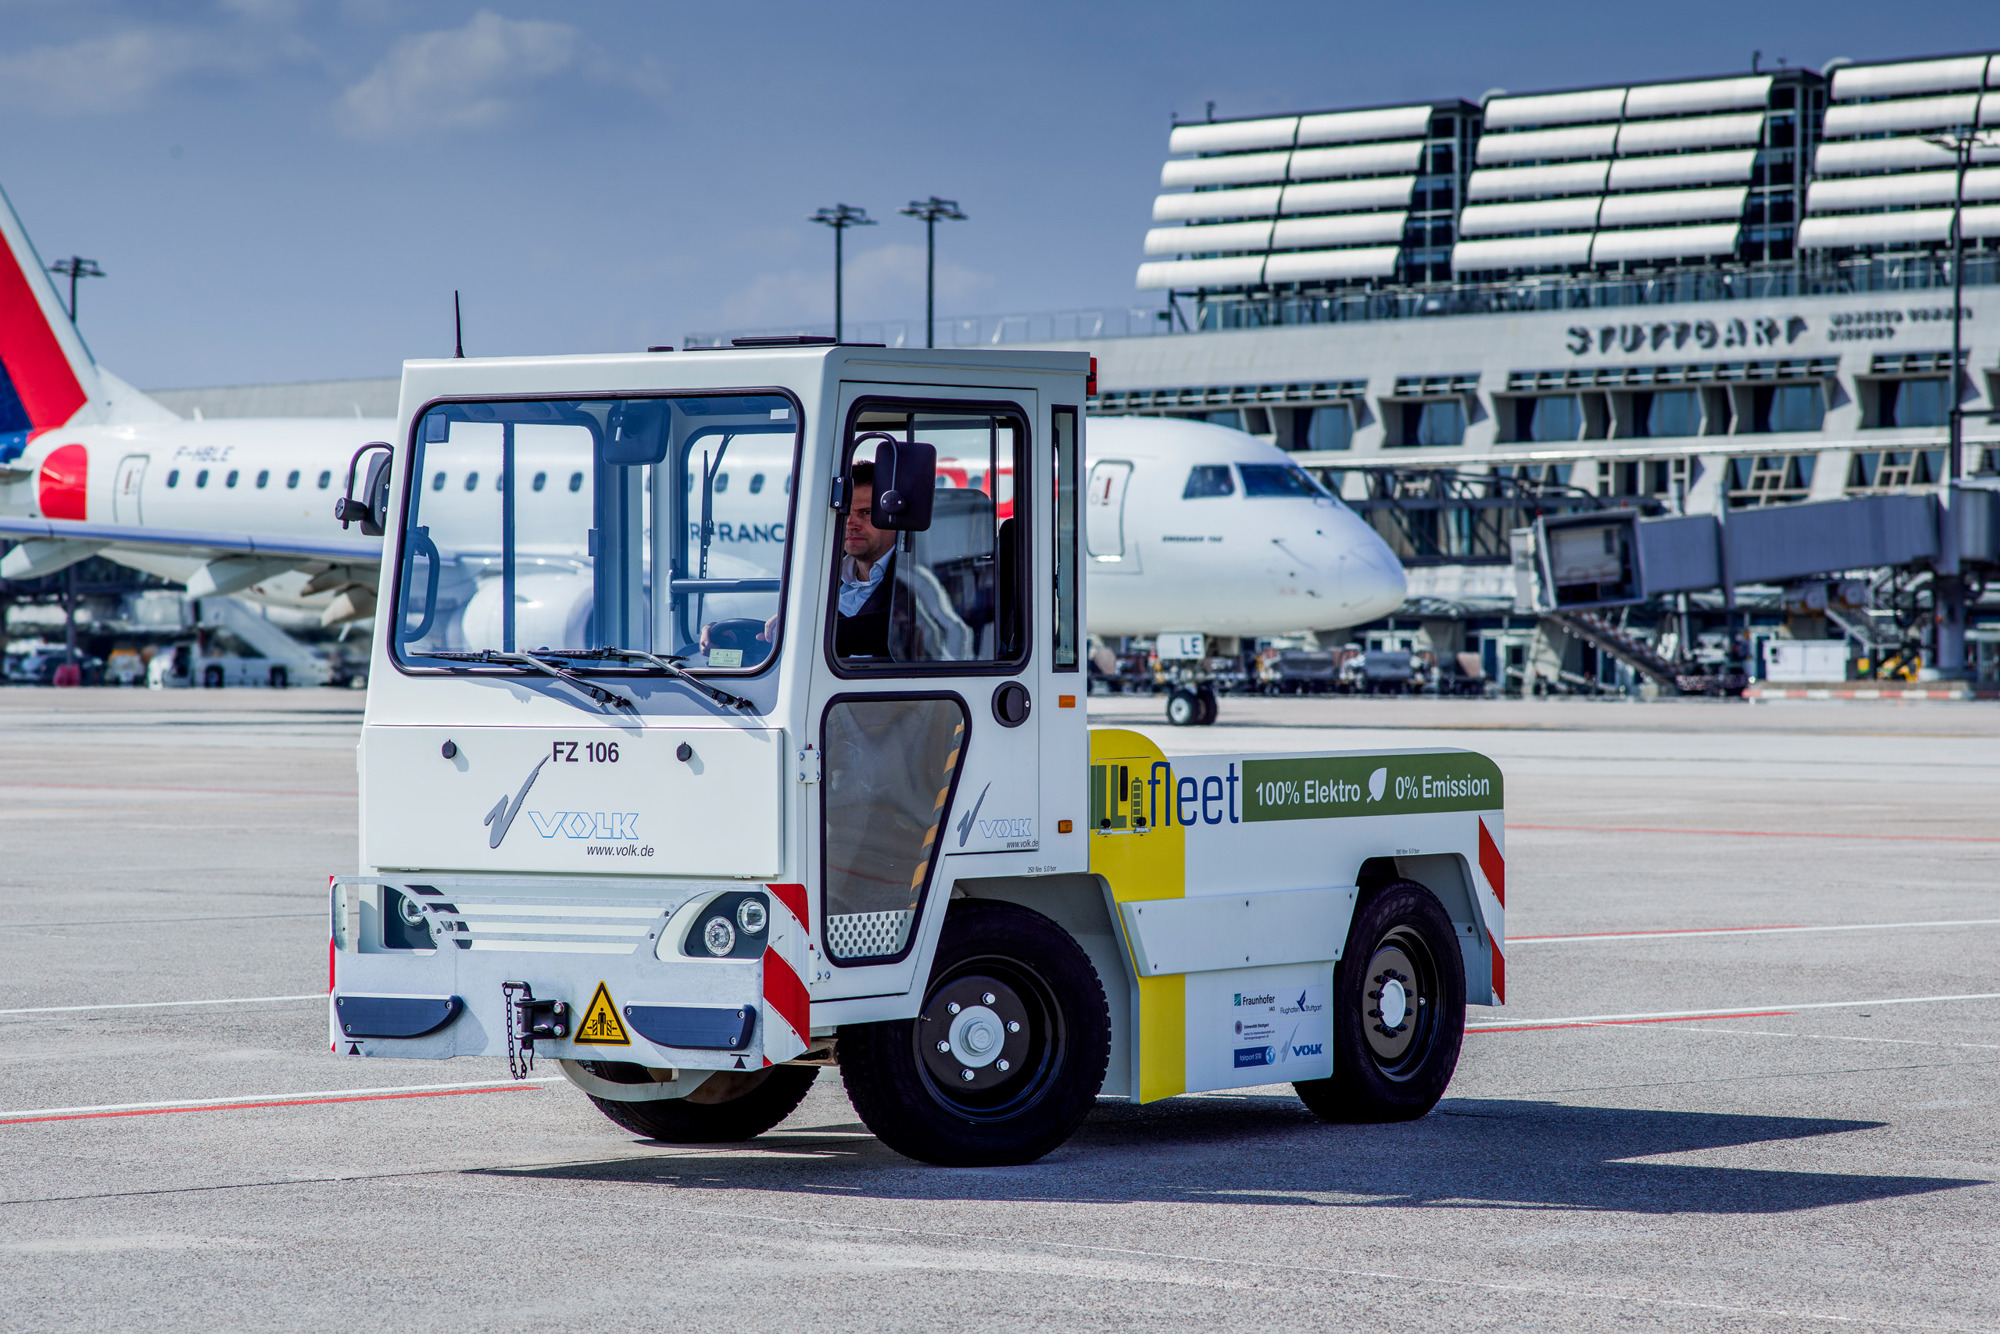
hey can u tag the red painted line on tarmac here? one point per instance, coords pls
(1667, 931)
(1612, 1023)
(293, 1102)
(1753, 833)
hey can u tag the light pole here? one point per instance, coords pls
(840, 217)
(1948, 599)
(73, 269)
(930, 210)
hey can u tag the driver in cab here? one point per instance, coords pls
(867, 574)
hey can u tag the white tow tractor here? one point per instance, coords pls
(694, 806)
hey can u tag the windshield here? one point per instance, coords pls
(1278, 479)
(651, 524)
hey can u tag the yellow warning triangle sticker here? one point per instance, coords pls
(600, 1026)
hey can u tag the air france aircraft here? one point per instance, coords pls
(1192, 528)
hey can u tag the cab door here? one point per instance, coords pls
(929, 676)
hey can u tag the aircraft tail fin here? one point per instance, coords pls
(47, 376)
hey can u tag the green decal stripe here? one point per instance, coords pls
(1337, 786)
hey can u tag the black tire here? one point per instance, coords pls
(727, 1106)
(280, 678)
(1205, 698)
(211, 677)
(1027, 1098)
(1183, 708)
(1400, 938)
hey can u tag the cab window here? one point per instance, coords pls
(956, 592)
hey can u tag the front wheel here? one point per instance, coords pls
(1183, 708)
(725, 1108)
(1005, 1058)
(1398, 1011)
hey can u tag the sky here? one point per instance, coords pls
(292, 189)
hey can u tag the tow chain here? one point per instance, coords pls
(520, 1046)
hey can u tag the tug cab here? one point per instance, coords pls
(726, 723)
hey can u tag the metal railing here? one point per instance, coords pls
(975, 330)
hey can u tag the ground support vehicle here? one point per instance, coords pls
(671, 810)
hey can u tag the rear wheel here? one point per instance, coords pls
(211, 676)
(728, 1106)
(1004, 1060)
(1205, 700)
(1398, 1011)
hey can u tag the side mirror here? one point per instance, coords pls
(905, 485)
(370, 506)
(637, 434)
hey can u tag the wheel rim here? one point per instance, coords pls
(1180, 710)
(990, 1039)
(1399, 1003)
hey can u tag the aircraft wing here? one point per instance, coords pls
(231, 560)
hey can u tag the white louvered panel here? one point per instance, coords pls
(1912, 187)
(1543, 215)
(1228, 236)
(1650, 173)
(1568, 178)
(1241, 272)
(1533, 145)
(1520, 253)
(1982, 221)
(1660, 136)
(1310, 164)
(1909, 76)
(1233, 136)
(1348, 196)
(1353, 127)
(1878, 155)
(1341, 229)
(1673, 206)
(1913, 113)
(1257, 201)
(1929, 224)
(1314, 265)
(1673, 99)
(1242, 169)
(1555, 108)
(1663, 243)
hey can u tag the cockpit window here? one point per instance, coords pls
(641, 552)
(1208, 479)
(1277, 479)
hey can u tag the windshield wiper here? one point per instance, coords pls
(598, 693)
(671, 666)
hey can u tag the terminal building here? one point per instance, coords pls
(1716, 293)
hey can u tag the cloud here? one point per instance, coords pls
(116, 72)
(473, 77)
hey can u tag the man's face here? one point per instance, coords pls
(862, 539)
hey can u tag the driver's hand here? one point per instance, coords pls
(704, 636)
(768, 634)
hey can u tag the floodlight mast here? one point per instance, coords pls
(1948, 600)
(931, 210)
(73, 269)
(840, 217)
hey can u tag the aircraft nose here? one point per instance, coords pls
(1372, 581)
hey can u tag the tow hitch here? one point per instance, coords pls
(528, 1019)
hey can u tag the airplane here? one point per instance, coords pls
(1192, 528)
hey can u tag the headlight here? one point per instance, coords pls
(412, 911)
(751, 916)
(719, 936)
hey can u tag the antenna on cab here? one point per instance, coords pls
(457, 326)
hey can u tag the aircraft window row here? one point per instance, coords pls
(263, 479)
(1259, 480)
(755, 486)
(541, 480)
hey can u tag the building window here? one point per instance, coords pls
(1769, 479)
(1911, 403)
(1667, 412)
(1330, 428)
(1787, 407)
(1554, 417)
(1439, 421)
(1891, 470)
(1208, 479)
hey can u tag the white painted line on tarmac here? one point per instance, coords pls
(1588, 936)
(1737, 1012)
(279, 1099)
(1847, 1037)
(166, 1005)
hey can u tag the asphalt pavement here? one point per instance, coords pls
(1748, 1078)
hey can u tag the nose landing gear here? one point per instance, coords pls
(1191, 707)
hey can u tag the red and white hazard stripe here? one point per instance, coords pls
(787, 1006)
(1493, 867)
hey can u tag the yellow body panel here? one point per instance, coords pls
(1141, 860)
